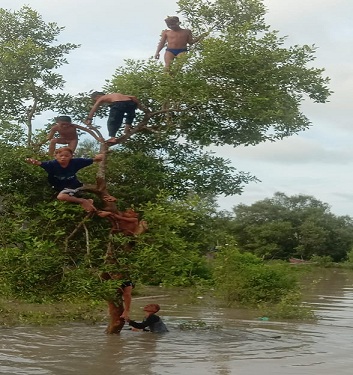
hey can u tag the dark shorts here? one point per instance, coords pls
(116, 115)
(127, 283)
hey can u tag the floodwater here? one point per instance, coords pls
(237, 344)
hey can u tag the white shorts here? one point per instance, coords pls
(71, 192)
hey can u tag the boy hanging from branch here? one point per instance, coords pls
(119, 305)
(120, 105)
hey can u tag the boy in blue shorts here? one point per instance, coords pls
(177, 40)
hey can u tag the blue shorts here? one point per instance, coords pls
(176, 51)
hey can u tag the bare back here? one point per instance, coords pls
(115, 97)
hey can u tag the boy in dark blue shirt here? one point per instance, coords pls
(62, 175)
(152, 321)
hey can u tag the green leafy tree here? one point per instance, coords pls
(138, 174)
(296, 226)
(240, 85)
(29, 58)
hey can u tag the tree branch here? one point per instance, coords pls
(68, 238)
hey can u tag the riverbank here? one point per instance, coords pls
(14, 312)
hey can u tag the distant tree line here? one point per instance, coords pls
(292, 226)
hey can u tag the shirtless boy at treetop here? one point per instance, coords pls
(177, 40)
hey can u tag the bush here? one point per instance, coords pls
(322, 261)
(244, 278)
(33, 272)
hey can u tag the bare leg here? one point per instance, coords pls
(181, 54)
(53, 143)
(127, 302)
(73, 145)
(168, 58)
(52, 147)
(111, 140)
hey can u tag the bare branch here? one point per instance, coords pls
(85, 219)
(87, 239)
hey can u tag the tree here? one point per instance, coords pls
(298, 226)
(240, 85)
(242, 277)
(29, 58)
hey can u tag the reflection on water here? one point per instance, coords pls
(243, 346)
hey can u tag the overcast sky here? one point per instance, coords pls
(317, 162)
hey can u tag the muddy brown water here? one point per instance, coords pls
(243, 346)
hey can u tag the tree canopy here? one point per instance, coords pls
(29, 58)
(297, 226)
(240, 85)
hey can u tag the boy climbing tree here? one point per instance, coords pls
(120, 105)
(67, 134)
(62, 175)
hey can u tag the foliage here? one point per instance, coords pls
(298, 226)
(350, 256)
(244, 278)
(198, 325)
(240, 85)
(322, 261)
(19, 313)
(32, 244)
(34, 267)
(169, 253)
(29, 58)
(148, 167)
(289, 307)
